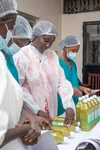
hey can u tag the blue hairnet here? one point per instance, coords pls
(69, 41)
(22, 28)
(8, 7)
(43, 28)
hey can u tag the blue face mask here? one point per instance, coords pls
(71, 55)
(4, 42)
(11, 50)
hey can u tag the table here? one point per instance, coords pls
(72, 142)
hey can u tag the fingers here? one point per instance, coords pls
(69, 120)
(32, 135)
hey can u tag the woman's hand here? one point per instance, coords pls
(45, 115)
(69, 119)
(44, 123)
(77, 92)
(34, 132)
(87, 91)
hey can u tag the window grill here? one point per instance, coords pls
(76, 6)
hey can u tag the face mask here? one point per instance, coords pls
(11, 50)
(4, 42)
(71, 55)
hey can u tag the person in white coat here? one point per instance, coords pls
(41, 76)
(12, 135)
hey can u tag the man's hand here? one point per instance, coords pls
(77, 92)
(45, 115)
(69, 119)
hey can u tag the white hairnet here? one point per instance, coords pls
(7, 7)
(69, 41)
(22, 28)
(43, 28)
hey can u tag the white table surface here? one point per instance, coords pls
(72, 142)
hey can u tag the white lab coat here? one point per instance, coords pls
(11, 101)
(41, 78)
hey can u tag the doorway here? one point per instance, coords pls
(91, 49)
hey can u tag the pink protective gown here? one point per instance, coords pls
(41, 78)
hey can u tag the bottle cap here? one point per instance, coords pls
(77, 128)
(86, 96)
(88, 99)
(65, 139)
(83, 97)
(80, 98)
(78, 124)
(71, 133)
(85, 101)
(94, 96)
(91, 98)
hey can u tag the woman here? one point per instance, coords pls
(70, 46)
(11, 97)
(22, 32)
(41, 76)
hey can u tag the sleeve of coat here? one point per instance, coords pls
(21, 65)
(3, 99)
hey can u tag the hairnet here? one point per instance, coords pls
(43, 28)
(69, 41)
(22, 28)
(7, 7)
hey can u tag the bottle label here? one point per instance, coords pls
(55, 123)
(92, 116)
(99, 112)
(88, 119)
(96, 114)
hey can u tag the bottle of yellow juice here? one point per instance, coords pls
(95, 110)
(98, 103)
(85, 116)
(78, 107)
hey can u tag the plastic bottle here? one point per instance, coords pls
(98, 103)
(71, 127)
(78, 107)
(86, 116)
(58, 137)
(95, 110)
(92, 111)
(63, 130)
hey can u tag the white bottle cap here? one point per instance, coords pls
(94, 96)
(80, 98)
(78, 124)
(91, 98)
(77, 128)
(86, 96)
(71, 133)
(88, 99)
(85, 101)
(65, 139)
(83, 97)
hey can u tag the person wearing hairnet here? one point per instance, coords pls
(41, 76)
(21, 36)
(70, 46)
(11, 97)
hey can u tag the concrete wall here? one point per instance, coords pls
(49, 10)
